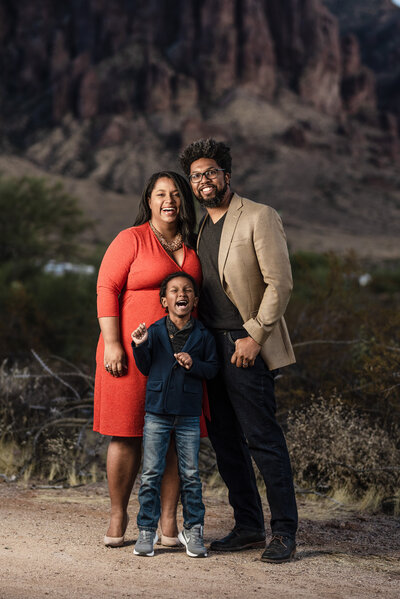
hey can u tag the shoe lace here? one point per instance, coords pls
(195, 533)
(279, 539)
(146, 535)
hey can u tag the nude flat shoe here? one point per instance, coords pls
(169, 541)
(116, 541)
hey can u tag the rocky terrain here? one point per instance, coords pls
(101, 94)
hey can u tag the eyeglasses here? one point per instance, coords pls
(211, 173)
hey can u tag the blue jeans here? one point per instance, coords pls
(243, 426)
(156, 440)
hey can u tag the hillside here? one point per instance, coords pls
(102, 94)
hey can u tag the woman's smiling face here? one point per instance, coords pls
(164, 202)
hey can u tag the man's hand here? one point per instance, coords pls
(184, 359)
(140, 335)
(246, 352)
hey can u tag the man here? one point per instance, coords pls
(247, 283)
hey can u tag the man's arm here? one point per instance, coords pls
(273, 259)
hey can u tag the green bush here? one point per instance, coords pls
(39, 222)
(346, 337)
(56, 314)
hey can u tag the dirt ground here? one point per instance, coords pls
(51, 546)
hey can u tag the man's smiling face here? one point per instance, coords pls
(210, 192)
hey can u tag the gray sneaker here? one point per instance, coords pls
(145, 543)
(192, 538)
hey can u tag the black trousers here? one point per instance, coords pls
(243, 425)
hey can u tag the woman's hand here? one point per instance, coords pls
(115, 359)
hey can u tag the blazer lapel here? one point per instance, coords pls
(231, 221)
(163, 336)
(202, 223)
(193, 338)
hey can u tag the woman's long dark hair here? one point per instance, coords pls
(187, 213)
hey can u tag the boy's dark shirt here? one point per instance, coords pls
(178, 337)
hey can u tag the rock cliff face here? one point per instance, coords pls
(358, 82)
(308, 50)
(97, 58)
(376, 26)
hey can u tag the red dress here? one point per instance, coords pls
(128, 286)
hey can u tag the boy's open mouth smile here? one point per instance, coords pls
(182, 303)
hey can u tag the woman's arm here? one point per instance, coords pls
(114, 355)
(112, 278)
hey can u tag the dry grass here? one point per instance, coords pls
(45, 424)
(337, 451)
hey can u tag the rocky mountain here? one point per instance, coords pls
(376, 26)
(305, 92)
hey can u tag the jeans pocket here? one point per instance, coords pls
(230, 338)
(233, 336)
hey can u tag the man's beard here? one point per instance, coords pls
(215, 201)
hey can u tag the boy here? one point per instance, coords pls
(173, 403)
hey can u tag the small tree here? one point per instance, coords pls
(39, 222)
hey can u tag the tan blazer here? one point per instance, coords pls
(255, 274)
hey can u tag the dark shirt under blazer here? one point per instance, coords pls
(254, 271)
(171, 389)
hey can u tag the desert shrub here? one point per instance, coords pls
(46, 414)
(385, 279)
(333, 446)
(346, 336)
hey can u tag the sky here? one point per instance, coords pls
(397, 2)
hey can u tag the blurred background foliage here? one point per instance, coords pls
(41, 224)
(339, 403)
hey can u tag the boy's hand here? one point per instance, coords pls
(184, 359)
(140, 334)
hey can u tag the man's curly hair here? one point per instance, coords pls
(206, 148)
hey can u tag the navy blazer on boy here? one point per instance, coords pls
(171, 389)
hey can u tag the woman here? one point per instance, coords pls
(160, 242)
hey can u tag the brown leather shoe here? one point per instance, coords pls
(280, 549)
